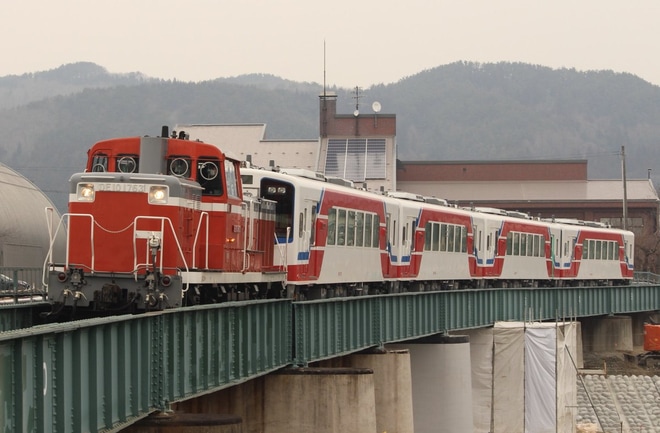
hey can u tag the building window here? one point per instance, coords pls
(356, 159)
(635, 224)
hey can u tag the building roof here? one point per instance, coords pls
(537, 191)
(241, 140)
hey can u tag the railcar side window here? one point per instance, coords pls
(359, 226)
(445, 237)
(376, 231)
(600, 250)
(367, 230)
(352, 228)
(332, 226)
(341, 227)
(524, 244)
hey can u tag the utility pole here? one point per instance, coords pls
(625, 190)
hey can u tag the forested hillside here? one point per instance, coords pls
(461, 111)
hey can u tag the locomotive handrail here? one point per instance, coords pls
(246, 220)
(162, 230)
(202, 216)
(49, 256)
(284, 251)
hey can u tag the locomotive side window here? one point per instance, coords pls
(232, 181)
(100, 162)
(126, 163)
(179, 166)
(208, 176)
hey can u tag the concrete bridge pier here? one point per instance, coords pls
(392, 386)
(441, 383)
(608, 334)
(311, 399)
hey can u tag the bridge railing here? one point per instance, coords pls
(646, 277)
(102, 374)
(21, 284)
(334, 327)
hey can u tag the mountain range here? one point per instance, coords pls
(459, 111)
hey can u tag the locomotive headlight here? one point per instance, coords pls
(158, 194)
(86, 192)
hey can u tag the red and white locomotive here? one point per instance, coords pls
(160, 222)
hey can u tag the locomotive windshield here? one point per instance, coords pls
(208, 176)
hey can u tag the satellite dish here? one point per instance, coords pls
(376, 107)
(356, 113)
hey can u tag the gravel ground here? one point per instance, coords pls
(626, 398)
(615, 363)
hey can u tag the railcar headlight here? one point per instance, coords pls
(86, 192)
(158, 194)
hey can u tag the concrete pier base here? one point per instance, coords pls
(320, 400)
(392, 386)
(441, 384)
(608, 334)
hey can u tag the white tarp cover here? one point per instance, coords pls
(540, 383)
(481, 358)
(534, 387)
(508, 378)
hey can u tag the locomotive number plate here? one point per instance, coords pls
(121, 187)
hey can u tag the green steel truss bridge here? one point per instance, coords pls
(104, 374)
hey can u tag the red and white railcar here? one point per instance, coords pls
(328, 242)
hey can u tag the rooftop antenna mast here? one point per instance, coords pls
(356, 113)
(324, 94)
(357, 97)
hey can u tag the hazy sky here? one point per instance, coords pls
(366, 41)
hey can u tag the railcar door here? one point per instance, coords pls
(307, 239)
